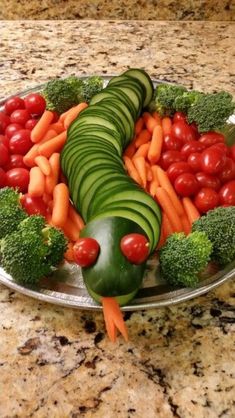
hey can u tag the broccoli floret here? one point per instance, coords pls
(92, 86)
(219, 226)
(183, 257)
(11, 212)
(165, 95)
(183, 102)
(211, 111)
(32, 251)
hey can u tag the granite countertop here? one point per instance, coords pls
(180, 360)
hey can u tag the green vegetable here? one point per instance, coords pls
(11, 212)
(183, 102)
(62, 94)
(32, 251)
(164, 98)
(219, 226)
(182, 258)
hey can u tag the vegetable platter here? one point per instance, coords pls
(145, 176)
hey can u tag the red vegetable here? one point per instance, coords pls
(179, 117)
(228, 171)
(212, 160)
(190, 147)
(86, 251)
(15, 161)
(175, 169)
(3, 178)
(31, 123)
(4, 122)
(12, 104)
(186, 185)
(227, 193)
(4, 155)
(20, 142)
(211, 138)
(206, 199)
(18, 178)
(183, 131)
(12, 129)
(135, 247)
(169, 157)
(232, 152)
(4, 141)
(20, 116)
(34, 205)
(35, 104)
(194, 160)
(172, 143)
(208, 181)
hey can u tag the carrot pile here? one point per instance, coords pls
(46, 180)
(141, 159)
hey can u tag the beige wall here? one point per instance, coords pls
(113, 9)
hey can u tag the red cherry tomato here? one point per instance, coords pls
(86, 251)
(35, 104)
(20, 143)
(20, 116)
(15, 161)
(18, 178)
(31, 123)
(211, 138)
(183, 131)
(4, 155)
(178, 168)
(12, 129)
(194, 160)
(4, 140)
(190, 147)
(232, 152)
(3, 178)
(227, 193)
(228, 171)
(193, 126)
(179, 117)
(170, 157)
(223, 148)
(212, 160)
(4, 122)
(135, 247)
(34, 205)
(208, 181)
(172, 143)
(186, 185)
(206, 199)
(14, 103)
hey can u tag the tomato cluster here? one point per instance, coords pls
(199, 166)
(17, 119)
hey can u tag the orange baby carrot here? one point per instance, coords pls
(162, 239)
(143, 137)
(60, 205)
(157, 117)
(43, 164)
(149, 121)
(71, 230)
(53, 178)
(139, 163)
(154, 169)
(148, 171)
(75, 217)
(29, 158)
(167, 206)
(186, 224)
(166, 184)
(63, 115)
(133, 173)
(153, 187)
(58, 127)
(130, 150)
(142, 151)
(155, 148)
(113, 318)
(166, 224)
(53, 145)
(139, 126)
(42, 126)
(72, 115)
(51, 133)
(166, 125)
(36, 186)
(190, 209)
(68, 255)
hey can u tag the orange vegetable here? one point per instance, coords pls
(167, 206)
(155, 148)
(143, 137)
(51, 133)
(162, 239)
(73, 114)
(166, 184)
(139, 163)
(157, 117)
(75, 217)
(58, 127)
(36, 186)
(43, 164)
(153, 187)
(149, 121)
(166, 224)
(190, 209)
(63, 115)
(68, 255)
(142, 151)
(29, 158)
(60, 205)
(149, 172)
(133, 173)
(186, 224)
(130, 150)
(53, 178)
(71, 230)
(113, 318)
(53, 145)
(42, 126)
(166, 125)
(139, 126)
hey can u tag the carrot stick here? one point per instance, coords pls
(75, 217)
(139, 126)
(36, 186)
(73, 114)
(51, 133)
(190, 209)
(166, 184)
(142, 151)
(63, 115)
(155, 148)
(53, 145)
(42, 126)
(68, 255)
(148, 171)
(166, 125)
(140, 166)
(113, 318)
(154, 169)
(58, 127)
(130, 150)
(60, 205)
(153, 187)
(166, 224)
(53, 178)
(186, 224)
(70, 230)
(43, 164)
(167, 206)
(149, 121)
(143, 137)
(157, 117)
(29, 158)
(133, 173)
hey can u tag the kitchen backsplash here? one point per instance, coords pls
(128, 9)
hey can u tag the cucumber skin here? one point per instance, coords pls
(112, 274)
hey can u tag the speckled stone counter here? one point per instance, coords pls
(57, 362)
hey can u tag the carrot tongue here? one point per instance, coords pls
(113, 319)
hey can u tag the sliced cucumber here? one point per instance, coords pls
(145, 80)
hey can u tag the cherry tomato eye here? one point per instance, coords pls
(4, 122)
(211, 138)
(206, 199)
(14, 103)
(183, 131)
(18, 178)
(179, 117)
(34, 205)
(171, 143)
(4, 155)
(135, 247)
(190, 147)
(3, 178)
(35, 103)
(194, 160)
(20, 116)
(186, 185)
(207, 180)
(20, 143)
(86, 251)
(175, 169)
(212, 160)
(227, 193)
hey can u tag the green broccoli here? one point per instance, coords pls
(219, 226)
(183, 102)
(164, 97)
(183, 257)
(211, 111)
(32, 251)
(92, 86)
(11, 212)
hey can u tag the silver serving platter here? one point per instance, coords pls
(65, 286)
